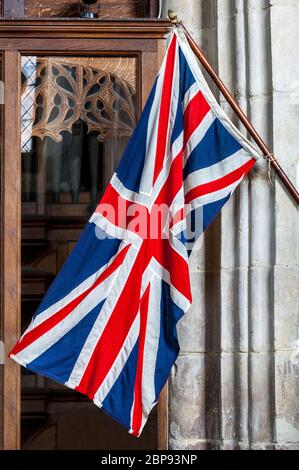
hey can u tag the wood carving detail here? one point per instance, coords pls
(57, 92)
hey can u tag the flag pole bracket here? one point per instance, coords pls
(173, 17)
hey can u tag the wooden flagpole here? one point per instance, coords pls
(268, 155)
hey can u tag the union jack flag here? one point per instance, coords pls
(107, 326)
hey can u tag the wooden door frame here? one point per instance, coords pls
(11, 250)
(141, 38)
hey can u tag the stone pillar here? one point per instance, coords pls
(285, 85)
(235, 382)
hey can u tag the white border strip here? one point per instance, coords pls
(195, 68)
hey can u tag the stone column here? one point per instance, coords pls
(236, 380)
(285, 84)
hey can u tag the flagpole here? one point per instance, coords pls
(268, 154)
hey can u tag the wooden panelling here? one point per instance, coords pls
(163, 419)
(71, 8)
(104, 8)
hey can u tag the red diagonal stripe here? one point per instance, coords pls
(49, 323)
(220, 183)
(175, 264)
(195, 112)
(114, 207)
(116, 210)
(117, 328)
(165, 109)
(178, 217)
(173, 183)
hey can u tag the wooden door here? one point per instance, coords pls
(42, 216)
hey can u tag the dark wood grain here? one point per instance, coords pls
(69, 8)
(163, 419)
(153, 8)
(77, 27)
(105, 8)
(11, 242)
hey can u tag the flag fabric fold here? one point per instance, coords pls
(107, 326)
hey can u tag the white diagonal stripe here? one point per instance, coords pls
(217, 171)
(119, 363)
(204, 88)
(177, 297)
(126, 349)
(128, 194)
(78, 290)
(102, 320)
(151, 349)
(199, 134)
(148, 172)
(114, 230)
(48, 339)
(213, 197)
(152, 136)
(190, 94)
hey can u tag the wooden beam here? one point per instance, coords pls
(11, 249)
(76, 27)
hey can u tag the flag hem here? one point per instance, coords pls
(58, 379)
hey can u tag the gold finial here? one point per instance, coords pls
(173, 17)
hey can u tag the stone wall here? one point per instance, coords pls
(236, 381)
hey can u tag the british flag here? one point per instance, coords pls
(107, 326)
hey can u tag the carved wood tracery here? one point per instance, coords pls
(57, 92)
